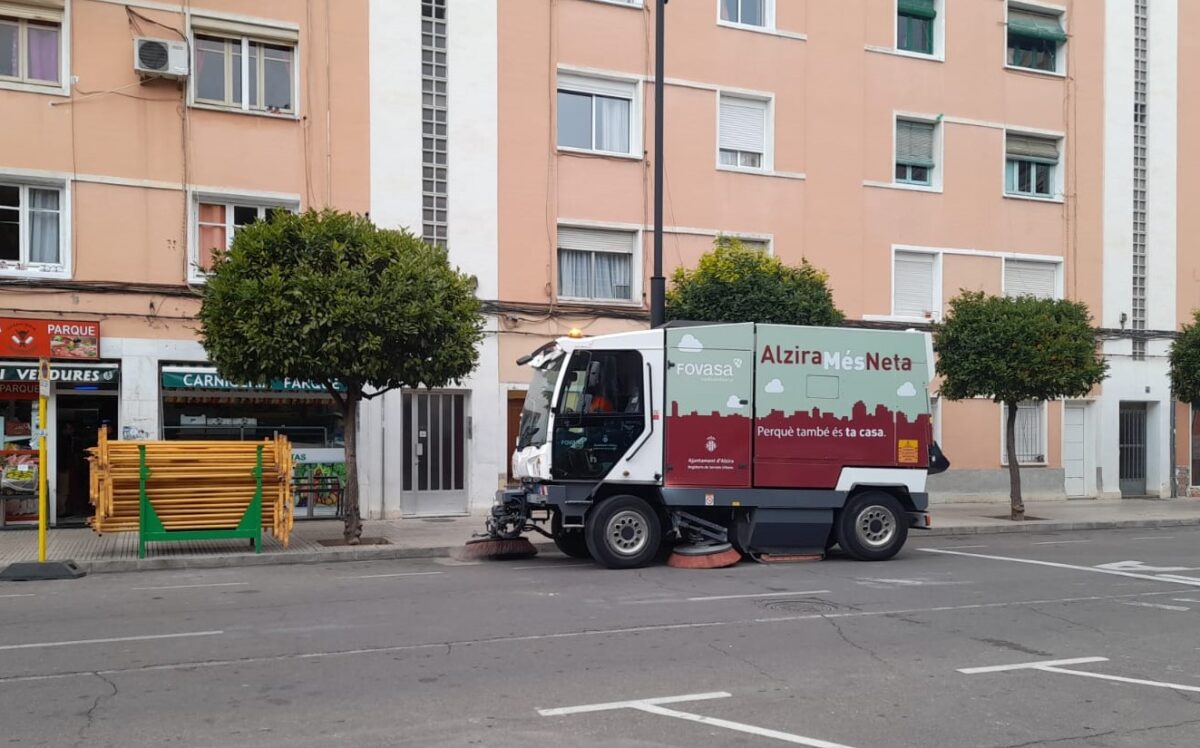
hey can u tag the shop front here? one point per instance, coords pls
(83, 398)
(199, 404)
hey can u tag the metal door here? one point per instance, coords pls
(434, 460)
(1133, 449)
(1074, 450)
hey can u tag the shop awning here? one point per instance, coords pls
(90, 373)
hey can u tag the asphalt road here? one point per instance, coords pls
(549, 652)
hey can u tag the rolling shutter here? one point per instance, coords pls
(912, 280)
(1030, 148)
(914, 143)
(918, 8)
(1036, 25)
(593, 240)
(1026, 278)
(743, 125)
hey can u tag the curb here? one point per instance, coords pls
(392, 553)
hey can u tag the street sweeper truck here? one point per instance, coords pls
(772, 441)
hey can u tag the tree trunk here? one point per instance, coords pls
(353, 528)
(1014, 466)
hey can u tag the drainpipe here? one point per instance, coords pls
(1174, 465)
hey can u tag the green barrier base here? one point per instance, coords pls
(151, 529)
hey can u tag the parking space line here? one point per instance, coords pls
(1160, 606)
(1151, 577)
(22, 594)
(399, 574)
(110, 640)
(191, 586)
(1057, 666)
(655, 706)
(538, 567)
(1059, 542)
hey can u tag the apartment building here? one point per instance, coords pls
(135, 137)
(912, 148)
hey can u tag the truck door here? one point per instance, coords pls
(710, 381)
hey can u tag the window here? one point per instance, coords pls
(601, 413)
(743, 133)
(595, 264)
(596, 115)
(1030, 166)
(216, 225)
(914, 152)
(435, 196)
(1031, 434)
(745, 12)
(1031, 278)
(31, 227)
(1034, 39)
(30, 45)
(913, 285)
(244, 66)
(914, 26)
(759, 245)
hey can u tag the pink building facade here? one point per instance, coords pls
(911, 148)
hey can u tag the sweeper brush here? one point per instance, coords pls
(497, 549)
(716, 556)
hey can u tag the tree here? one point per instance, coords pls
(1012, 350)
(1185, 363)
(735, 283)
(330, 298)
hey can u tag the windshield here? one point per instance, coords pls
(536, 412)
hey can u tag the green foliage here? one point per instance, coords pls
(1185, 362)
(1015, 349)
(330, 297)
(734, 283)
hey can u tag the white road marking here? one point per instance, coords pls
(110, 640)
(654, 706)
(960, 547)
(550, 566)
(1155, 605)
(1152, 577)
(1059, 542)
(190, 586)
(564, 711)
(450, 645)
(1029, 665)
(1055, 666)
(710, 598)
(1139, 566)
(872, 582)
(1154, 537)
(400, 574)
(23, 594)
(1184, 600)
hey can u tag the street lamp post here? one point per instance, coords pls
(658, 284)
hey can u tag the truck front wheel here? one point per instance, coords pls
(623, 532)
(872, 526)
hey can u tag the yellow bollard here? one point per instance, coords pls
(43, 502)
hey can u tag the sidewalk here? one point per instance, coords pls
(431, 538)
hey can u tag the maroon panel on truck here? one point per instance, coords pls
(710, 378)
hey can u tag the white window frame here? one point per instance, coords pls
(635, 4)
(201, 28)
(1055, 264)
(768, 18)
(636, 270)
(767, 164)
(36, 13)
(1058, 174)
(1043, 416)
(938, 168)
(613, 87)
(1060, 56)
(230, 201)
(22, 268)
(939, 34)
(937, 300)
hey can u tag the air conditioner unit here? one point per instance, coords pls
(162, 58)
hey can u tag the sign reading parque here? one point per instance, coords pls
(49, 338)
(207, 380)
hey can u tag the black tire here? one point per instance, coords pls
(623, 532)
(571, 542)
(872, 526)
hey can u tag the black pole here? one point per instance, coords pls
(658, 284)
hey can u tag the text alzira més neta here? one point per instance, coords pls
(843, 360)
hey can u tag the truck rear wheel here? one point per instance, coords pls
(623, 532)
(570, 541)
(872, 526)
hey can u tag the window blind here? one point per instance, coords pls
(914, 143)
(912, 281)
(1032, 148)
(1026, 278)
(1036, 25)
(595, 240)
(743, 125)
(919, 8)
